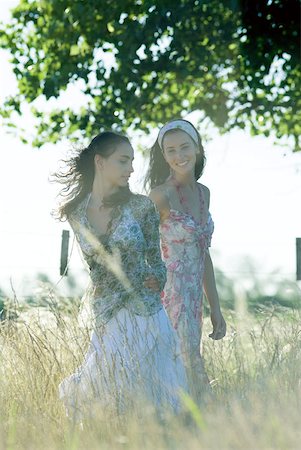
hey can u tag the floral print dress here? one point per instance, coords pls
(134, 353)
(184, 243)
(120, 260)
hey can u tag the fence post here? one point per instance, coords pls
(298, 259)
(64, 253)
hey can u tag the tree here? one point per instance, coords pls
(142, 62)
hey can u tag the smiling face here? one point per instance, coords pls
(179, 151)
(116, 169)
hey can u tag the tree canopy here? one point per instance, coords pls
(140, 63)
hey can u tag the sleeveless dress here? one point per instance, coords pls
(134, 353)
(184, 243)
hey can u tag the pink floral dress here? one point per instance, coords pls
(184, 243)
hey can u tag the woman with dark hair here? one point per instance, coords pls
(176, 163)
(134, 351)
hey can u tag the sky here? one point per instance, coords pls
(255, 203)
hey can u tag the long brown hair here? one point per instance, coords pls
(78, 177)
(159, 169)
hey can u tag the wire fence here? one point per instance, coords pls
(39, 256)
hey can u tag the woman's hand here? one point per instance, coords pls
(152, 283)
(219, 325)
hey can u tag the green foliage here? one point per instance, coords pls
(140, 63)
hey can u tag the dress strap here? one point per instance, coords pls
(203, 204)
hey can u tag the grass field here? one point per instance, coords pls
(255, 373)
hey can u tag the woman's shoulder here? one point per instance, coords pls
(206, 192)
(159, 196)
(78, 212)
(141, 202)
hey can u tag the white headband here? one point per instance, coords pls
(178, 125)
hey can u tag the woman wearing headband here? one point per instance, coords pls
(176, 163)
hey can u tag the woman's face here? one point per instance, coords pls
(179, 151)
(117, 168)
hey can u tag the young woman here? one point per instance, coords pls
(176, 163)
(134, 351)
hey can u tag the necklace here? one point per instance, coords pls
(184, 201)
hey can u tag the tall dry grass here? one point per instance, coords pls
(255, 373)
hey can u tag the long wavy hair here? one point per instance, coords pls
(159, 170)
(77, 179)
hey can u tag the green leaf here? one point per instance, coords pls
(194, 410)
(74, 50)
